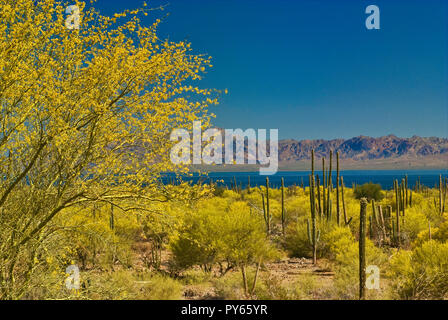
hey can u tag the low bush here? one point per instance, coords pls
(421, 273)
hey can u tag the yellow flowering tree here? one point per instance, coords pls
(85, 116)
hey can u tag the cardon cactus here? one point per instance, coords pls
(283, 207)
(362, 249)
(313, 233)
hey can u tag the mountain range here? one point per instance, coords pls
(388, 152)
(359, 153)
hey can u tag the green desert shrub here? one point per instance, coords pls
(221, 231)
(297, 242)
(414, 223)
(370, 190)
(421, 273)
(346, 280)
(439, 234)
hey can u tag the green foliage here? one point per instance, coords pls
(421, 273)
(346, 281)
(221, 231)
(370, 190)
(298, 245)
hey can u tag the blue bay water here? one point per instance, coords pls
(385, 178)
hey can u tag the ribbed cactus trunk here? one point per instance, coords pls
(343, 201)
(362, 249)
(268, 213)
(397, 233)
(397, 196)
(403, 197)
(330, 187)
(313, 235)
(338, 210)
(283, 207)
(383, 224)
(312, 162)
(406, 190)
(373, 222)
(440, 195)
(445, 185)
(312, 196)
(319, 204)
(265, 214)
(390, 222)
(324, 185)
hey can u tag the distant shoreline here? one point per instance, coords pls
(382, 164)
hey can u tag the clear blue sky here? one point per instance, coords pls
(311, 68)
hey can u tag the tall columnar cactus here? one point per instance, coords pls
(343, 202)
(264, 209)
(362, 249)
(406, 190)
(319, 205)
(382, 224)
(397, 196)
(374, 222)
(397, 233)
(403, 197)
(313, 233)
(324, 201)
(283, 207)
(330, 187)
(440, 195)
(330, 169)
(312, 162)
(390, 219)
(268, 213)
(393, 232)
(265, 215)
(313, 203)
(445, 185)
(375, 213)
(338, 211)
